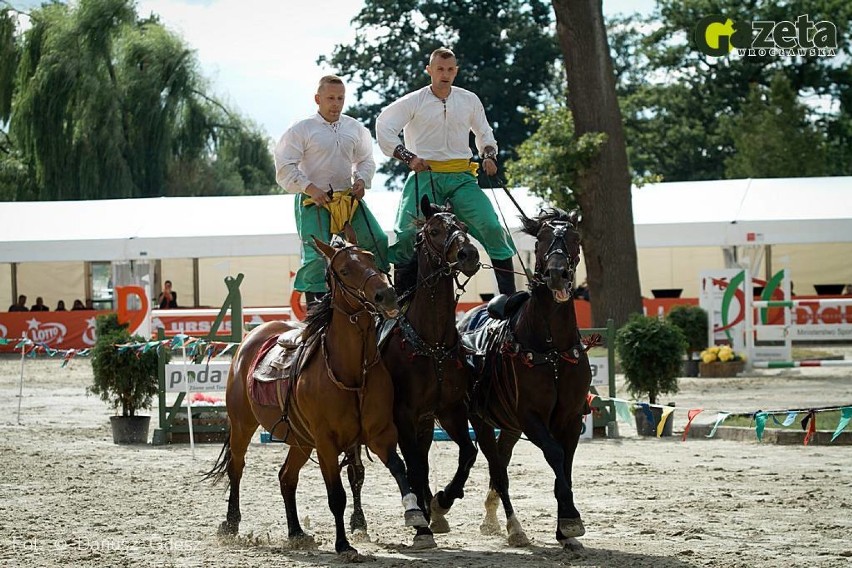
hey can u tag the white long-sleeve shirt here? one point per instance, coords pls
(325, 154)
(435, 129)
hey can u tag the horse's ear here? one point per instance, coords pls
(349, 232)
(426, 206)
(574, 217)
(326, 250)
(448, 205)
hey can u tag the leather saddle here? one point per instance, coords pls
(278, 364)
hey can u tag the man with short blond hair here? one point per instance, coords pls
(327, 159)
(436, 122)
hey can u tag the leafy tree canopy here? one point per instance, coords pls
(506, 52)
(676, 101)
(102, 104)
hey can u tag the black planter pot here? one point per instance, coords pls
(645, 428)
(689, 368)
(130, 429)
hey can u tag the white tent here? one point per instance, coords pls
(176, 227)
(744, 212)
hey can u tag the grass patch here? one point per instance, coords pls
(825, 421)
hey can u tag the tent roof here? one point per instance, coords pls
(743, 212)
(706, 213)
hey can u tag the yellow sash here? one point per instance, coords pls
(453, 166)
(341, 208)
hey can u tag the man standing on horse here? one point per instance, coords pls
(328, 160)
(436, 122)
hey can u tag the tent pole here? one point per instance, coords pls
(767, 263)
(196, 286)
(14, 275)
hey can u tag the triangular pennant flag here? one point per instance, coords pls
(759, 424)
(775, 420)
(693, 412)
(791, 417)
(845, 416)
(667, 410)
(622, 409)
(719, 419)
(809, 426)
(646, 409)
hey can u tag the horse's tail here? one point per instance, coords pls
(220, 468)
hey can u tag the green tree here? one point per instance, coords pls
(772, 136)
(675, 99)
(551, 161)
(506, 53)
(104, 104)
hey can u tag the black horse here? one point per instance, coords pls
(533, 376)
(422, 355)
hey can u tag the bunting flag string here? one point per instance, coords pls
(624, 411)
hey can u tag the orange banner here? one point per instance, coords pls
(57, 330)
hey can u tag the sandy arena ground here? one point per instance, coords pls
(70, 497)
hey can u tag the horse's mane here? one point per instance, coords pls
(532, 226)
(319, 317)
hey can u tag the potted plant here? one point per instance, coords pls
(123, 379)
(692, 322)
(721, 361)
(650, 350)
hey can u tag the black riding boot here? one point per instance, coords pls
(504, 271)
(312, 299)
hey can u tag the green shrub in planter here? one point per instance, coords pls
(692, 322)
(650, 350)
(126, 380)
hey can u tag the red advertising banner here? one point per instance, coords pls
(57, 330)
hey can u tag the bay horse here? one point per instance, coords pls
(342, 396)
(533, 377)
(422, 355)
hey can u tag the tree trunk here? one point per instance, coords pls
(609, 243)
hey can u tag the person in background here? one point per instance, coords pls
(21, 306)
(436, 122)
(60, 306)
(78, 305)
(39, 306)
(90, 305)
(167, 299)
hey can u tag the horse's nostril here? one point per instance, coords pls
(379, 297)
(566, 275)
(462, 255)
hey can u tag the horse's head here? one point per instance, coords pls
(557, 250)
(352, 273)
(445, 240)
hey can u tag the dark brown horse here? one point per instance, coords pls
(533, 378)
(422, 355)
(343, 395)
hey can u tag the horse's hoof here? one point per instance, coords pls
(360, 535)
(571, 544)
(439, 524)
(354, 556)
(302, 541)
(518, 539)
(423, 541)
(571, 527)
(357, 522)
(435, 505)
(415, 518)
(489, 527)
(228, 529)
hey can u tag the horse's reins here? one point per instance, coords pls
(506, 225)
